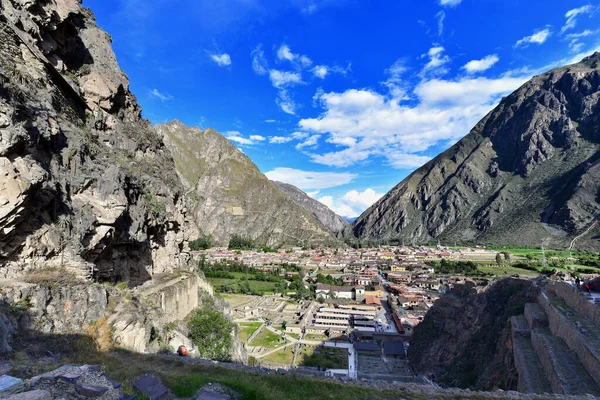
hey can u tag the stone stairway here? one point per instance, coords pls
(556, 348)
(532, 377)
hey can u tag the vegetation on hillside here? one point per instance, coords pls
(203, 243)
(237, 242)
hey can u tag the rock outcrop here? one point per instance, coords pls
(527, 174)
(231, 196)
(322, 213)
(93, 217)
(465, 340)
(85, 181)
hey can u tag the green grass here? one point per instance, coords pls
(315, 337)
(267, 339)
(506, 270)
(324, 357)
(247, 329)
(184, 379)
(258, 286)
(283, 356)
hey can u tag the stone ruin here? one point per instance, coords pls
(556, 343)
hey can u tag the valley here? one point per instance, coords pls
(141, 259)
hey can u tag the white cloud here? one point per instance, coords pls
(222, 60)
(237, 137)
(365, 123)
(574, 39)
(572, 15)
(585, 33)
(300, 61)
(307, 180)
(484, 64)
(161, 96)
(437, 62)
(313, 194)
(440, 19)
(281, 79)
(284, 53)
(353, 203)
(467, 91)
(450, 3)
(280, 139)
(320, 71)
(270, 121)
(539, 37)
(394, 82)
(311, 141)
(259, 63)
(286, 103)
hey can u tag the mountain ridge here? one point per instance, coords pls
(231, 196)
(530, 166)
(322, 213)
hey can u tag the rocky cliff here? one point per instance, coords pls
(231, 196)
(322, 213)
(86, 183)
(89, 196)
(527, 174)
(465, 340)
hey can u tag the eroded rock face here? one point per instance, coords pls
(465, 339)
(527, 174)
(85, 182)
(231, 196)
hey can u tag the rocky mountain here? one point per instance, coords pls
(527, 174)
(231, 196)
(322, 213)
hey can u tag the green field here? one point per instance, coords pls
(247, 329)
(258, 286)
(315, 337)
(283, 356)
(324, 357)
(506, 270)
(267, 339)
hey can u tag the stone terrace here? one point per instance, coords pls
(556, 344)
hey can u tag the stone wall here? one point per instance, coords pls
(176, 294)
(588, 354)
(576, 301)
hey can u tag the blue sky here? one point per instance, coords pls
(342, 98)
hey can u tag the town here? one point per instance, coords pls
(347, 312)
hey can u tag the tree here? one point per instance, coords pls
(211, 333)
(498, 259)
(506, 255)
(320, 299)
(203, 243)
(283, 325)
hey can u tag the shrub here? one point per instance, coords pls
(211, 333)
(101, 332)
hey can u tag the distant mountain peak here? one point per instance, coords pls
(231, 196)
(322, 213)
